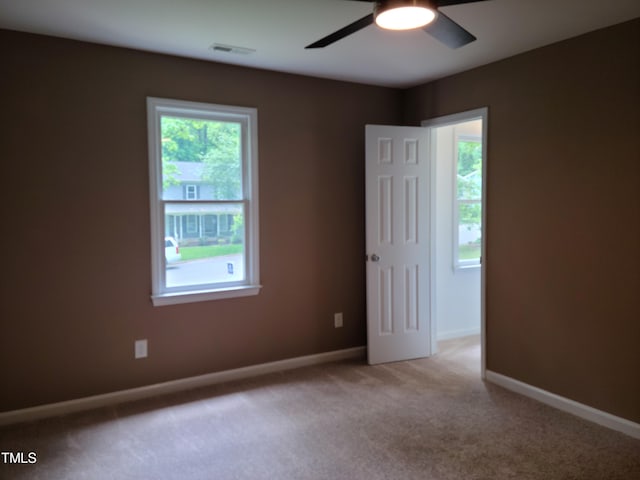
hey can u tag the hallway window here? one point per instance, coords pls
(468, 203)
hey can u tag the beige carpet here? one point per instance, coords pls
(423, 419)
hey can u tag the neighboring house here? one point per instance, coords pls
(202, 223)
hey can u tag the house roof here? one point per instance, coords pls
(189, 171)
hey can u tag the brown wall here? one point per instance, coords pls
(563, 312)
(563, 213)
(75, 290)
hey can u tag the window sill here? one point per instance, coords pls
(475, 266)
(204, 295)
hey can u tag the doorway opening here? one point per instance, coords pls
(458, 184)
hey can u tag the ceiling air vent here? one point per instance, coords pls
(219, 47)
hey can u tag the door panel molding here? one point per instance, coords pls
(397, 236)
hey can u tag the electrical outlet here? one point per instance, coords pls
(337, 320)
(140, 350)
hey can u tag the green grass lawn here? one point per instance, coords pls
(467, 252)
(208, 251)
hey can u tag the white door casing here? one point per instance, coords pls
(455, 287)
(398, 245)
(431, 125)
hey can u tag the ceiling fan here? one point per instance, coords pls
(408, 15)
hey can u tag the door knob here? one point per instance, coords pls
(375, 258)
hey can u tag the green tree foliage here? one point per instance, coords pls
(470, 214)
(237, 229)
(216, 144)
(223, 165)
(469, 182)
(469, 157)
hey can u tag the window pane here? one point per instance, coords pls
(210, 241)
(201, 159)
(469, 201)
(469, 232)
(469, 170)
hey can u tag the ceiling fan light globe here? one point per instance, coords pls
(404, 18)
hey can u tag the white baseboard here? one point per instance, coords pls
(122, 396)
(458, 333)
(566, 405)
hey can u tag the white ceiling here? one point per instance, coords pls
(278, 31)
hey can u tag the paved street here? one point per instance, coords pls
(199, 272)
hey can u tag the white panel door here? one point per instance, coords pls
(397, 238)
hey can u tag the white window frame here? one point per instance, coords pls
(191, 192)
(248, 118)
(459, 264)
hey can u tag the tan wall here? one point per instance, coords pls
(75, 220)
(563, 210)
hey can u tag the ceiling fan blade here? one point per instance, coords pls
(448, 32)
(343, 32)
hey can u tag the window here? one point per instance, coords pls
(204, 201)
(192, 224)
(191, 192)
(468, 203)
